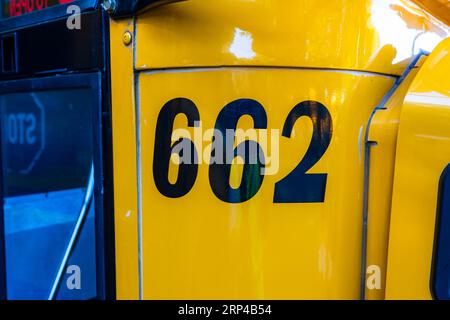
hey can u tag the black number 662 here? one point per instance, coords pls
(297, 187)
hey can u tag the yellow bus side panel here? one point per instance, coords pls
(369, 35)
(199, 247)
(124, 145)
(423, 151)
(383, 136)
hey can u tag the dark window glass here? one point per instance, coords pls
(47, 155)
(441, 265)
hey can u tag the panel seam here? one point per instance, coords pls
(138, 164)
(260, 67)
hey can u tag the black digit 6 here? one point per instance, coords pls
(187, 172)
(249, 151)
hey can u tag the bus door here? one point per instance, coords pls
(54, 181)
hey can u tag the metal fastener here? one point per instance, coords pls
(126, 38)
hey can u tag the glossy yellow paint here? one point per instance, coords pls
(383, 136)
(199, 247)
(439, 8)
(370, 35)
(423, 151)
(125, 174)
(341, 53)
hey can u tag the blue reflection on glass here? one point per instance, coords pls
(47, 154)
(38, 228)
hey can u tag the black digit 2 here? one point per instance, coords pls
(187, 172)
(299, 186)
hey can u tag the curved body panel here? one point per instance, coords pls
(423, 152)
(366, 35)
(304, 74)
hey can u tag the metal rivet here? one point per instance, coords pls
(127, 37)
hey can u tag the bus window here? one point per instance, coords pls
(47, 155)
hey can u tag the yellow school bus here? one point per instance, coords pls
(267, 149)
